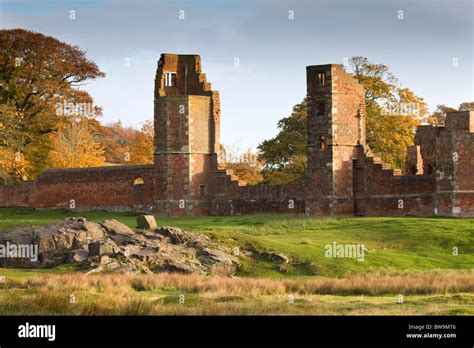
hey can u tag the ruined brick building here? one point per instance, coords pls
(344, 177)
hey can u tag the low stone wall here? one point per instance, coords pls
(118, 188)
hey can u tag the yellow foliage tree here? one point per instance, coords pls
(75, 147)
(141, 146)
(12, 166)
(247, 167)
(393, 113)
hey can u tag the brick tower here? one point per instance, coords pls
(187, 117)
(336, 134)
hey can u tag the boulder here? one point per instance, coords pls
(116, 227)
(178, 237)
(119, 239)
(146, 222)
(174, 266)
(111, 265)
(76, 255)
(52, 241)
(95, 231)
(219, 261)
(174, 235)
(108, 247)
(142, 253)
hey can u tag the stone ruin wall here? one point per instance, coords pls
(344, 176)
(115, 188)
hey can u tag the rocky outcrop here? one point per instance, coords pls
(113, 247)
(275, 257)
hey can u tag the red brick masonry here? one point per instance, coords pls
(344, 177)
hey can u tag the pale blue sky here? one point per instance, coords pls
(272, 49)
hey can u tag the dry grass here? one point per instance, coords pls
(372, 284)
(447, 292)
(421, 283)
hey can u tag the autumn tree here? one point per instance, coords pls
(438, 117)
(393, 112)
(141, 146)
(118, 140)
(114, 139)
(12, 167)
(247, 166)
(40, 79)
(466, 106)
(75, 147)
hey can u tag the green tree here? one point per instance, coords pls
(284, 156)
(12, 162)
(393, 112)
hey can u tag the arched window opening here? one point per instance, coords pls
(139, 191)
(322, 143)
(138, 181)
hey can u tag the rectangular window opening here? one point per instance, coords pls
(170, 79)
(321, 79)
(202, 190)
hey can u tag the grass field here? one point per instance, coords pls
(409, 256)
(433, 293)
